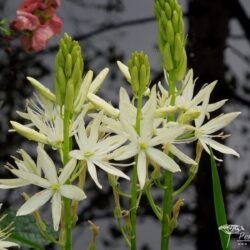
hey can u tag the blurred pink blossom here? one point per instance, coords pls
(36, 22)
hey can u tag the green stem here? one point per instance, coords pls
(155, 208)
(67, 229)
(133, 203)
(167, 209)
(168, 186)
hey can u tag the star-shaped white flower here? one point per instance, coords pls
(144, 144)
(54, 187)
(95, 151)
(205, 133)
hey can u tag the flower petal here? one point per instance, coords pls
(93, 174)
(12, 183)
(72, 192)
(56, 210)
(67, 171)
(35, 202)
(126, 152)
(142, 168)
(183, 157)
(47, 165)
(163, 160)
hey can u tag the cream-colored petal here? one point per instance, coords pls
(163, 160)
(142, 168)
(93, 174)
(94, 129)
(98, 81)
(179, 154)
(13, 183)
(220, 147)
(126, 152)
(56, 206)
(77, 154)
(47, 165)
(125, 71)
(72, 192)
(35, 202)
(67, 171)
(110, 169)
(4, 244)
(219, 122)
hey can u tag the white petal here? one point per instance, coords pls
(126, 152)
(219, 122)
(12, 183)
(199, 121)
(47, 165)
(72, 192)
(142, 168)
(35, 202)
(188, 83)
(183, 157)
(56, 210)
(110, 169)
(163, 160)
(67, 171)
(99, 79)
(77, 154)
(220, 147)
(93, 174)
(94, 131)
(5, 243)
(31, 178)
(124, 69)
(214, 106)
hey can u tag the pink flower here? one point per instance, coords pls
(36, 23)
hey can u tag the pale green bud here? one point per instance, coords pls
(182, 67)
(139, 69)
(45, 92)
(168, 61)
(103, 105)
(69, 97)
(178, 49)
(175, 21)
(168, 10)
(29, 133)
(98, 81)
(170, 32)
(68, 66)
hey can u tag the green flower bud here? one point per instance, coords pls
(168, 61)
(171, 37)
(69, 71)
(139, 69)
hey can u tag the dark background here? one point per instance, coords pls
(218, 38)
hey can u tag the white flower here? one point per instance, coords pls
(54, 187)
(4, 234)
(96, 151)
(143, 144)
(25, 165)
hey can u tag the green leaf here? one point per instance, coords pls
(26, 232)
(219, 207)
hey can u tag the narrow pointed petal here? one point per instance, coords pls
(110, 169)
(77, 154)
(142, 168)
(219, 122)
(126, 152)
(220, 147)
(56, 204)
(67, 171)
(183, 157)
(93, 174)
(72, 192)
(46, 164)
(4, 244)
(124, 69)
(199, 121)
(31, 178)
(188, 86)
(94, 131)
(12, 183)
(35, 202)
(98, 81)
(163, 160)
(214, 106)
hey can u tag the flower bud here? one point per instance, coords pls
(69, 69)
(171, 37)
(139, 70)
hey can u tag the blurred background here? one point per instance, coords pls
(218, 39)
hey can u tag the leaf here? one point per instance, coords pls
(26, 231)
(219, 207)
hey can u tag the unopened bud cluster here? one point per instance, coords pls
(139, 69)
(69, 70)
(171, 37)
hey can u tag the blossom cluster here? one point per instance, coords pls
(37, 22)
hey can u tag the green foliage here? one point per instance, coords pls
(26, 231)
(219, 207)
